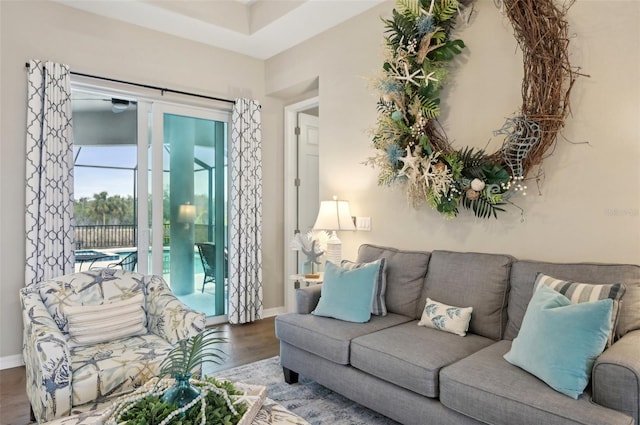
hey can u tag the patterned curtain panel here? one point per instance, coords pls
(245, 214)
(49, 185)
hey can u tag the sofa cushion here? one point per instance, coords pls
(473, 280)
(411, 356)
(327, 337)
(347, 294)
(560, 340)
(405, 276)
(489, 389)
(523, 276)
(117, 367)
(92, 287)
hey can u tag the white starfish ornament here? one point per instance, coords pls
(411, 77)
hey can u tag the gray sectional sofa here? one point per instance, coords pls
(418, 375)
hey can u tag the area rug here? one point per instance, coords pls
(315, 403)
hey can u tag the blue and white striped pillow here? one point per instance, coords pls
(379, 307)
(586, 292)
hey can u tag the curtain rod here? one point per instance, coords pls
(147, 86)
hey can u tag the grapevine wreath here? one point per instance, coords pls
(412, 148)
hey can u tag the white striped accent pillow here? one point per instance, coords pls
(378, 307)
(92, 324)
(586, 292)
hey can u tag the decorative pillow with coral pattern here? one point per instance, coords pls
(446, 318)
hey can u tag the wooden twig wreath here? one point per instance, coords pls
(413, 149)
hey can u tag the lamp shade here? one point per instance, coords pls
(334, 215)
(186, 213)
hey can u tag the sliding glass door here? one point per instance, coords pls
(189, 219)
(150, 179)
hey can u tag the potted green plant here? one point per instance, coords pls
(180, 363)
(219, 406)
(186, 401)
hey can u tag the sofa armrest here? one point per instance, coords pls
(307, 298)
(46, 357)
(167, 316)
(616, 376)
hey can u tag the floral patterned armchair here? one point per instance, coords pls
(64, 370)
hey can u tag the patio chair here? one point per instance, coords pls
(207, 252)
(127, 263)
(95, 335)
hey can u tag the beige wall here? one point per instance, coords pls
(96, 45)
(588, 208)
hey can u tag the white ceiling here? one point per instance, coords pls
(257, 28)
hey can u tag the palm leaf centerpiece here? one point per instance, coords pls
(188, 357)
(186, 401)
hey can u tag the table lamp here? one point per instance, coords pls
(187, 214)
(333, 216)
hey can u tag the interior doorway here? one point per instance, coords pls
(301, 178)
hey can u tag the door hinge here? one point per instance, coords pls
(297, 131)
(296, 182)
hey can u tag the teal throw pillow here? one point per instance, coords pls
(378, 307)
(347, 294)
(586, 292)
(559, 341)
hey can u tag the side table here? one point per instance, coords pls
(297, 281)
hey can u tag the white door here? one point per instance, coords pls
(308, 196)
(301, 183)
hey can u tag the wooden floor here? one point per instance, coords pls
(247, 343)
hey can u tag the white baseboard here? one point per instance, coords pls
(8, 362)
(270, 312)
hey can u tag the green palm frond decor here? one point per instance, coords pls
(192, 352)
(218, 403)
(184, 359)
(182, 400)
(412, 149)
(152, 410)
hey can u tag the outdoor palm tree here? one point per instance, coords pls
(101, 206)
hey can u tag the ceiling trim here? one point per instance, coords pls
(297, 25)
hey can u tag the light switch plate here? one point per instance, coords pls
(363, 223)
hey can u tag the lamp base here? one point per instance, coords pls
(334, 249)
